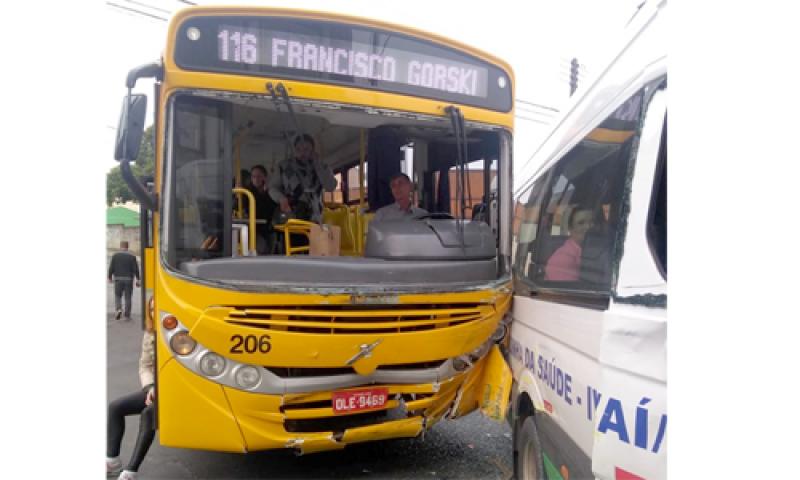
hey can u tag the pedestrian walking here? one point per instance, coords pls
(122, 271)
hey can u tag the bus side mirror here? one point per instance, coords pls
(131, 127)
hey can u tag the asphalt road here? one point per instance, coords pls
(468, 448)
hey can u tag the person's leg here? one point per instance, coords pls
(261, 245)
(130, 404)
(118, 296)
(128, 294)
(147, 432)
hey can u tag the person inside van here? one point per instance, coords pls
(402, 207)
(564, 264)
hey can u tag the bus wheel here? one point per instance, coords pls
(528, 463)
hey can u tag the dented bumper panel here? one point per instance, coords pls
(263, 422)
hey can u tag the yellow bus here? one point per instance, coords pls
(397, 326)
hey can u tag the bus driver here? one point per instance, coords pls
(402, 207)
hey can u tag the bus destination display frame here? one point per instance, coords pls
(340, 54)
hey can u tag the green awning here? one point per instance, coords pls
(122, 216)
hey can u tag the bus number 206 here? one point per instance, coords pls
(250, 344)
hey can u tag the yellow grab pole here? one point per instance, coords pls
(360, 214)
(362, 157)
(251, 217)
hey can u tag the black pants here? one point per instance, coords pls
(123, 287)
(131, 404)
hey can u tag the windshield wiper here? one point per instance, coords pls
(457, 120)
(280, 95)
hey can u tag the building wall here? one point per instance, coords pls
(117, 233)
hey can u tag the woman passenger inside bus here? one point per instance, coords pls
(141, 402)
(565, 263)
(297, 182)
(296, 185)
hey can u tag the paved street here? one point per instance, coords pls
(471, 447)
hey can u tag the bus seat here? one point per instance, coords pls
(340, 216)
(365, 218)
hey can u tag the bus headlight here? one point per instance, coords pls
(182, 343)
(499, 333)
(247, 376)
(212, 365)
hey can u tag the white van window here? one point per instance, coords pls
(584, 206)
(526, 225)
(657, 227)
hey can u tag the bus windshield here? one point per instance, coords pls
(214, 135)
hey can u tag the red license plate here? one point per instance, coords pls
(350, 401)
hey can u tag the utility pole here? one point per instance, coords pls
(573, 76)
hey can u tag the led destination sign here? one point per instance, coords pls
(282, 49)
(341, 54)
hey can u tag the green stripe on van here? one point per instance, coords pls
(550, 469)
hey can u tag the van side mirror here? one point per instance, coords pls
(131, 127)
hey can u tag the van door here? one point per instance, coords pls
(628, 404)
(567, 247)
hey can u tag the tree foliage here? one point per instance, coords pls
(117, 190)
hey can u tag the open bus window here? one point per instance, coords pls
(215, 138)
(474, 195)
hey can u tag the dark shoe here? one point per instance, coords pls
(118, 314)
(127, 319)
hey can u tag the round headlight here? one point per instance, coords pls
(182, 343)
(248, 376)
(212, 365)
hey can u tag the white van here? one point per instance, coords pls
(589, 331)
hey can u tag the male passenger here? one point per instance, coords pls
(401, 209)
(123, 269)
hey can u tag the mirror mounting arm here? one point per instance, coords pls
(149, 70)
(146, 199)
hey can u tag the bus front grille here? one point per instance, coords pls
(350, 319)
